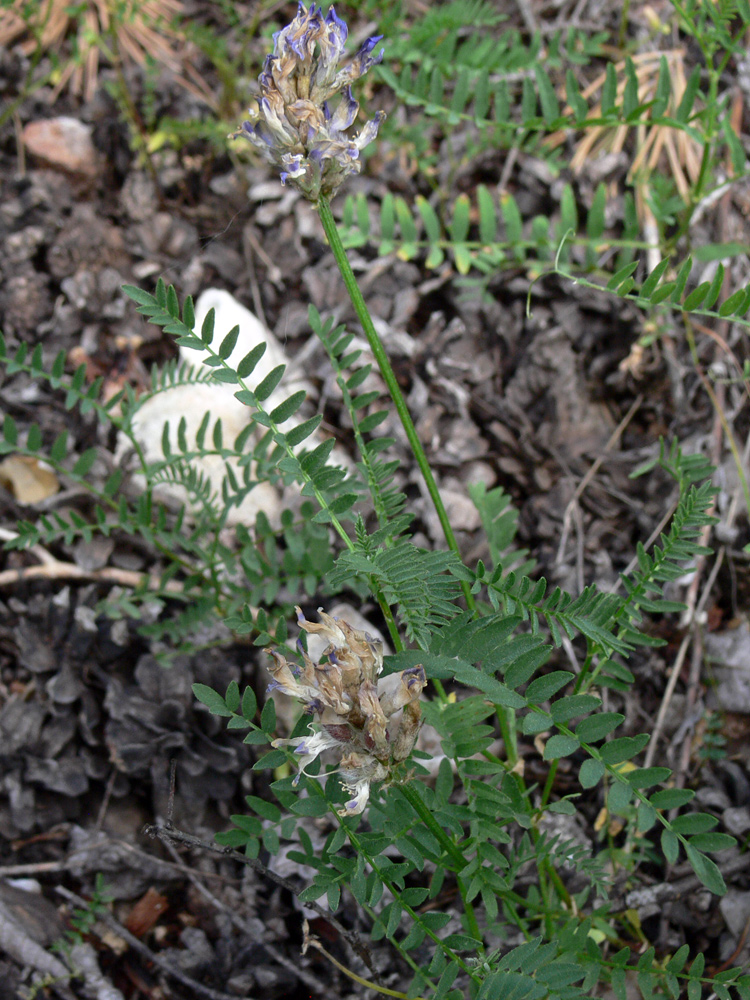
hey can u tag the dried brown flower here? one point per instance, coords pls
(353, 715)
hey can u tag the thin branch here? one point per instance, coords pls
(304, 975)
(170, 835)
(151, 956)
(57, 570)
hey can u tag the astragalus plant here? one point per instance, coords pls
(449, 852)
(469, 659)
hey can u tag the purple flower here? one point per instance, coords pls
(294, 125)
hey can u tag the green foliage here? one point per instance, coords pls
(499, 665)
(455, 68)
(499, 238)
(470, 826)
(713, 743)
(500, 523)
(460, 827)
(83, 919)
(204, 577)
(667, 286)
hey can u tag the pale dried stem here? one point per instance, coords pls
(695, 611)
(23, 949)
(57, 570)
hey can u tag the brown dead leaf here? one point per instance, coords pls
(146, 912)
(28, 479)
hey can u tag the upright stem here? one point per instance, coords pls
(450, 848)
(376, 346)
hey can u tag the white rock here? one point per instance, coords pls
(228, 313)
(193, 401)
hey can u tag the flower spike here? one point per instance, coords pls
(353, 716)
(293, 125)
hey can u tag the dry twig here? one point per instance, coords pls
(147, 953)
(168, 834)
(18, 945)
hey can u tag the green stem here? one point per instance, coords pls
(376, 346)
(450, 847)
(506, 718)
(548, 785)
(432, 824)
(387, 613)
(315, 788)
(545, 894)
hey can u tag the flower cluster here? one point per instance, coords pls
(354, 717)
(294, 126)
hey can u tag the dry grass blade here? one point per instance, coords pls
(140, 29)
(653, 142)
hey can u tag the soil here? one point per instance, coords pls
(557, 407)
